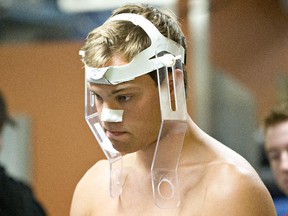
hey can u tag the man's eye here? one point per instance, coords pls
(123, 98)
(274, 156)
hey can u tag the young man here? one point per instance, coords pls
(16, 198)
(276, 144)
(170, 166)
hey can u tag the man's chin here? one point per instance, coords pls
(124, 150)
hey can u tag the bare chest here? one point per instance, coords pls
(142, 204)
(144, 210)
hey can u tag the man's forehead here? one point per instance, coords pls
(277, 136)
(137, 83)
(103, 87)
(279, 129)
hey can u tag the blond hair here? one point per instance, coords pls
(125, 39)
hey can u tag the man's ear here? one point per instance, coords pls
(178, 79)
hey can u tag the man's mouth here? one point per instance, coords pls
(114, 134)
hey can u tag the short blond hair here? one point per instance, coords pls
(124, 39)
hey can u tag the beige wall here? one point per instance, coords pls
(45, 81)
(248, 40)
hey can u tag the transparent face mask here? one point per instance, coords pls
(114, 157)
(171, 135)
(166, 58)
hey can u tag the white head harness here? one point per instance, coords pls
(143, 62)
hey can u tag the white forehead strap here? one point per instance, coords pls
(145, 61)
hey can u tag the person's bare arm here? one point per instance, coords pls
(79, 205)
(88, 190)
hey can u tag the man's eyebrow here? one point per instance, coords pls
(124, 88)
(272, 150)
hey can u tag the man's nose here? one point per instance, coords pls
(111, 115)
(284, 160)
(110, 111)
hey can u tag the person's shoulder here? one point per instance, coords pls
(95, 176)
(91, 185)
(17, 197)
(237, 190)
(99, 167)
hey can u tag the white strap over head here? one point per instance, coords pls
(145, 61)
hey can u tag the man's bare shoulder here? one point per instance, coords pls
(91, 186)
(95, 176)
(236, 190)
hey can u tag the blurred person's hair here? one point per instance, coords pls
(276, 116)
(4, 115)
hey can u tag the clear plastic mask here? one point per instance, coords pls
(171, 136)
(114, 157)
(166, 57)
